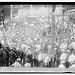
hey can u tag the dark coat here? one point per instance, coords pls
(36, 62)
(1, 55)
(12, 56)
(4, 55)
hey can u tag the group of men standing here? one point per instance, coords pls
(12, 57)
(7, 56)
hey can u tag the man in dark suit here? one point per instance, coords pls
(12, 57)
(35, 62)
(1, 58)
(7, 59)
(0, 45)
(4, 57)
(30, 58)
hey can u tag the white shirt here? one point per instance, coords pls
(61, 66)
(63, 56)
(40, 57)
(47, 59)
(73, 66)
(71, 58)
(16, 64)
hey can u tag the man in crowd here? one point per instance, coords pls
(58, 54)
(35, 62)
(71, 57)
(21, 56)
(47, 59)
(67, 64)
(62, 64)
(63, 58)
(40, 59)
(5, 58)
(17, 63)
(7, 53)
(72, 45)
(12, 57)
(30, 57)
(73, 64)
(24, 58)
(53, 60)
(27, 64)
(1, 58)
(0, 45)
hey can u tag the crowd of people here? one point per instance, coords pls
(16, 58)
(64, 58)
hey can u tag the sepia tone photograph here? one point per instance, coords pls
(37, 38)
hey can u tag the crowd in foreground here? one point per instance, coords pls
(16, 58)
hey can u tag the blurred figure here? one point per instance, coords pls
(67, 64)
(58, 54)
(27, 64)
(24, 58)
(62, 64)
(0, 45)
(50, 62)
(71, 58)
(72, 45)
(40, 59)
(35, 62)
(4, 58)
(63, 56)
(21, 56)
(72, 64)
(12, 57)
(1, 57)
(7, 59)
(17, 63)
(47, 59)
(30, 57)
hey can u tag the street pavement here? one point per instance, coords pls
(34, 70)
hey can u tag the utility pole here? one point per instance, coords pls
(53, 30)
